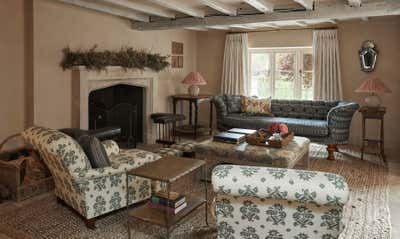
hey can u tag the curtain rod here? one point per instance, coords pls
(287, 29)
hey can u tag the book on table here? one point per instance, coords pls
(242, 131)
(232, 138)
(172, 202)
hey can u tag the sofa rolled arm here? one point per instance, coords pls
(339, 121)
(221, 108)
(302, 186)
(111, 147)
(114, 169)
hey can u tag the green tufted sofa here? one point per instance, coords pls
(326, 122)
(90, 191)
(275, 203)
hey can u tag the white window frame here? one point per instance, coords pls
(299, 51)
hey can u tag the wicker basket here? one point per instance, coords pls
(261, 138)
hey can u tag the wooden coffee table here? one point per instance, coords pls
(215, 153)
(167, 170)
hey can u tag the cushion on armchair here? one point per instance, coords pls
(95, 151)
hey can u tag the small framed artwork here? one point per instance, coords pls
(177, 55)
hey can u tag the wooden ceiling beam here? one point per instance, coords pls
(220, 7)
(110, 10)
(261, 5)
(336, 11)
(307, 4)
(180, 7)
(142, 8)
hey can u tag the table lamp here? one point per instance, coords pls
(194, 79)
(373, 86)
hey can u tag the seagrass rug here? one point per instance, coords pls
(366, 216)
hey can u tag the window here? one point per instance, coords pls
(283, 73)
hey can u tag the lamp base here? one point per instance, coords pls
(194, 90)
(373, 101)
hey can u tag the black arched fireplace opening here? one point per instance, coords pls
(119, 105)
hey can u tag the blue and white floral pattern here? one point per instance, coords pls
(90, 191)
(261, 202)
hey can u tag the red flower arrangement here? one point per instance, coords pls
(275, 127)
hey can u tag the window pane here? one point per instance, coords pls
(284, 85)
(284, 76)
(306, 86)
(261, 74)
(284, 61)
(307, 62)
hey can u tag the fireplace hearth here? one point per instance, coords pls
(119, 105)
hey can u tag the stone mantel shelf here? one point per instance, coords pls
(86, 81)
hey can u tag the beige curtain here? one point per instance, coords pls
(327, 77)
(235, 67)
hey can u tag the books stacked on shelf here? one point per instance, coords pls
(174, 203)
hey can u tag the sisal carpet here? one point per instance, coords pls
(366, 215)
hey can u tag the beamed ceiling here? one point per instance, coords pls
(247, 15)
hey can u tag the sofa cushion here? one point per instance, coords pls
(303, 127)
(255, 106)
(306, 109)
(233, 103)
(95, 151)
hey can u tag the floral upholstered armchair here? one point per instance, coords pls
(275, 203)
(90, 191)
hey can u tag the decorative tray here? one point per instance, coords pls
(261, 138)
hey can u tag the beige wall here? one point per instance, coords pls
(293, 38)
(12, 50)
(58, 25)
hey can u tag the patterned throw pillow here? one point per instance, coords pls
(95, 151)
(255, 106)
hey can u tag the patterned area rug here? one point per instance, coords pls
(366, 215)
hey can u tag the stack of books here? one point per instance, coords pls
(174, 203)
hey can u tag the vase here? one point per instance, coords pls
(373, 101)
(194, 90)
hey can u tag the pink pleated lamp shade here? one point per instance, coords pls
(373, 85)
(194, 78)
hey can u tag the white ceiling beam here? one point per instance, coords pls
(180, 7)
(324, 12)
(355, 3)
(333, 21)
(202, 29)
(248, 27)
(109, 10)
(301, 23)
(261, 5)
(142, 8)
(220, 7)
(307, 4)
(219, 27)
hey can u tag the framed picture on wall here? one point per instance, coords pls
(177, 55)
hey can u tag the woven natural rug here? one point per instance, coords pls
(366, 215)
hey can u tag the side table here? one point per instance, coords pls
(376, 113)
(193, 128)
(167, 170)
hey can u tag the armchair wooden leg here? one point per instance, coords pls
(332, 148)
(90, 223)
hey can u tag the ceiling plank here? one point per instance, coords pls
(110, 10)
(308, 4)
(179, 7)
(142, 8)
(355, 3)
(261, 5)
(336, 11)
(220, 7)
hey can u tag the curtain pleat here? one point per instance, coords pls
(235, 66)
(327, 76)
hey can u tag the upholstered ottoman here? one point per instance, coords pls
(215, 153)
(187, 147)
(170, 151)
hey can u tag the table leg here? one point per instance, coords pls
(211, 116)
(206, 193)
(382, 141)
(363, 139)
(190, 112)
(196, 112)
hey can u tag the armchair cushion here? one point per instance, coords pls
(95, 151)
(111, 147)
(301, 186)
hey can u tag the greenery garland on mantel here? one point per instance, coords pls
(126, 57)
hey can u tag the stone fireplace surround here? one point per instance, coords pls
(86, 81)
